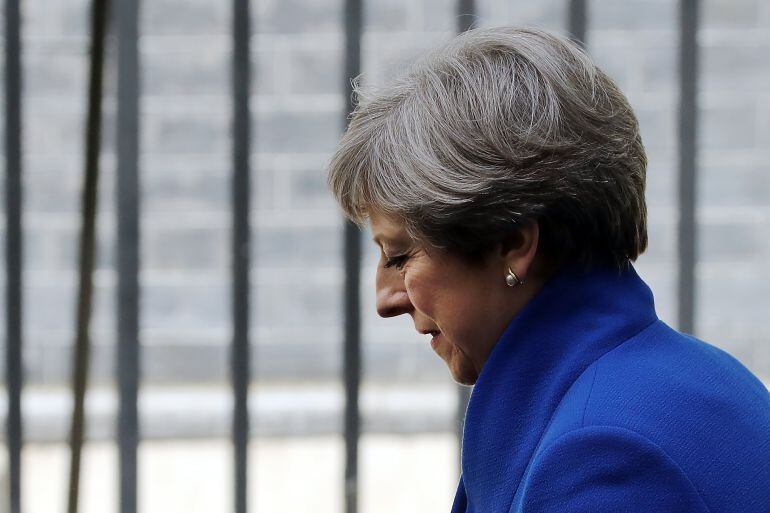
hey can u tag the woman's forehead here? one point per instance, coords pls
(387, 230)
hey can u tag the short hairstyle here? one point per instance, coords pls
(498, 128)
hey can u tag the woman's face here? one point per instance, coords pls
(464, 308)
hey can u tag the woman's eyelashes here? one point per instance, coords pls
(395, 261)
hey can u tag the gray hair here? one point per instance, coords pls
(498, 128)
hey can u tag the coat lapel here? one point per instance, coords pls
(576, 318)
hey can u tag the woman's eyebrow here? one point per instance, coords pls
(390, 245)
(380, 239)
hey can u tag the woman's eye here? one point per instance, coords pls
(397, 261)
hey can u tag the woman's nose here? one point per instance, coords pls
(392, 298)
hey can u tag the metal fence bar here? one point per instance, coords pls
(466, 15)
(688, 96)
(352, 363)
(241, 191)
(577, 20)
(466, 18)
(352, 301)
(13, 248)
(126, 22)
(87, 243)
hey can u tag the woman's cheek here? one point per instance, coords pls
(416, 294)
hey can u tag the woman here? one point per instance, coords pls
(503, 179)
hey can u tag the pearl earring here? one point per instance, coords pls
(512, 280)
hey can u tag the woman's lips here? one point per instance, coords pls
(435, 340)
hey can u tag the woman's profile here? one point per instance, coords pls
(503, 178)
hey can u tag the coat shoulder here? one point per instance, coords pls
(603, 469)
(695, 402)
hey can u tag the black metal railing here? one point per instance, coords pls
(127, 195)
(241, 190)
(13, 247)
(351, 366)
(87, 247)
(688, 101)
(126, 28)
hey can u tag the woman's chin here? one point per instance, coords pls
(464, 380)
(463, 373)
(460, 367)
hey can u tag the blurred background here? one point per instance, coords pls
(408, 456)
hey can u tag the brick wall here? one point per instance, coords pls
(297, 104)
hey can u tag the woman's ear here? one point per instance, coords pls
(520, 248)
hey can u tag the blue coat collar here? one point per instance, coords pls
(576, 318)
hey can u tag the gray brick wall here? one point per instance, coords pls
(297, 103)
(735, 219)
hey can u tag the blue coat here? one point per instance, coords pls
(588, 403)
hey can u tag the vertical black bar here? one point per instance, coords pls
(688, 95)
(87, 243)
(241, 243)
(577, 17)
(127, 197)
(13, 246)
(466, 17)
(352, 362)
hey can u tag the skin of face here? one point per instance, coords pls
(464, 307)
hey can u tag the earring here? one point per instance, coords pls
(512, 280)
